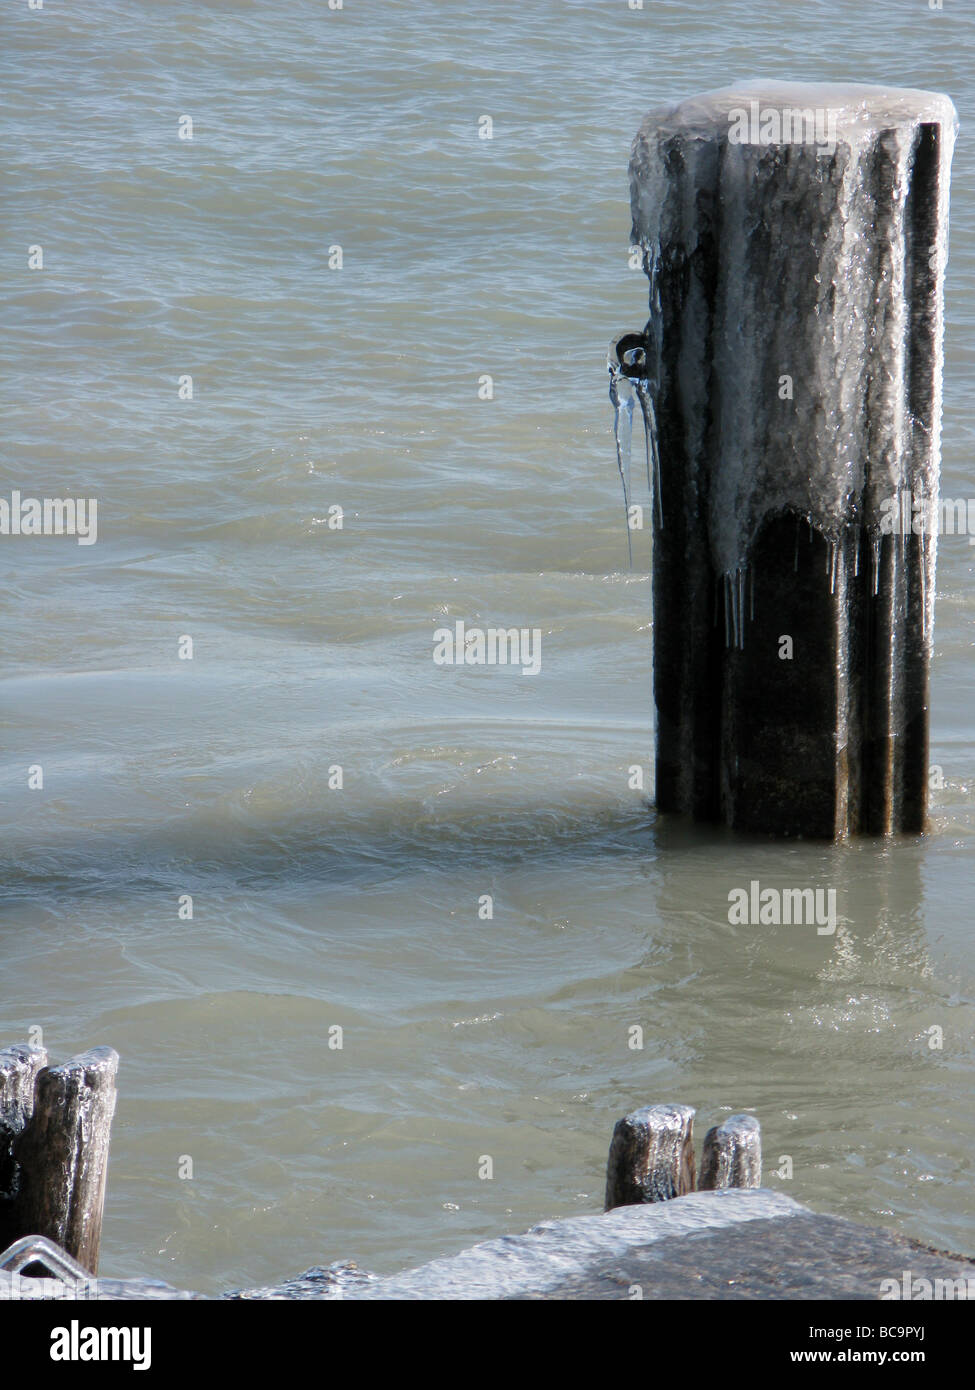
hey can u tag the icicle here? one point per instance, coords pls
(733, 587)
(875, 555)
(736, 587)
(653, 456)
(623, 429)
(628, 383)
(924, 586)
(899, 585)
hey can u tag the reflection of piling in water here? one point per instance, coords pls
(793, 370)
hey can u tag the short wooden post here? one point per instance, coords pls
(651, 1158)
(732, 1155)
(62, 1154)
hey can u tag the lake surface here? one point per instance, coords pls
(318, 908)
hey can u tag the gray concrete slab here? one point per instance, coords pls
(730, 1244)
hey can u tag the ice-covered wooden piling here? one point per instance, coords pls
(732, 1155)
(651, 1158)
(795, 238)
(19, 1066)
(55, 1124)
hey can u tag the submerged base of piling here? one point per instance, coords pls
(797, 702)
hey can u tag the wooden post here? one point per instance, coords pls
(62, 1155)
(795, 239)
(732, 1155)
(19, 1066)
(651, 1158)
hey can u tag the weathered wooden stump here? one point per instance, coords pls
(795, 238)
(651, 1158)
(732, 1155)
(19, 1066)
(55, 1125)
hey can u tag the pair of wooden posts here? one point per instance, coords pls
(651, 1158)
(55, 1124)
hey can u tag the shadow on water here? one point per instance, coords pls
(378, 845)
(236, 847)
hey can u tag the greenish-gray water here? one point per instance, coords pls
(317, 907)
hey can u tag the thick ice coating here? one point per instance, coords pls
(796, 239)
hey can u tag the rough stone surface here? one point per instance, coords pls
(731, 1244)
(340, 1280)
